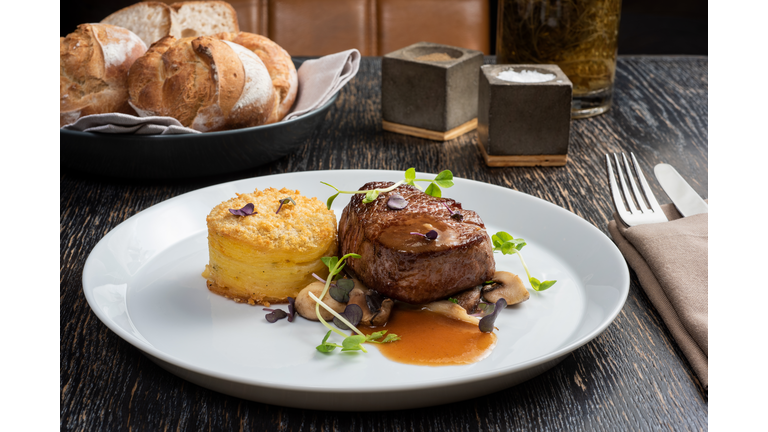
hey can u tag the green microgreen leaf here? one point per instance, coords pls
(390, 338)
(410, 176)
(330, 262)
(506, 244)
(325, 346)
(353, 343)
(330, 200)
(371, 196)
(434, 190)
(453, 300)
(444, 179)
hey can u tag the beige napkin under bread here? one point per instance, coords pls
(319, 80)
(671, 261)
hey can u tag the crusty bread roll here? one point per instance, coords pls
(151, 21)
(205, 83)
(203, 18)
(278, 63)
(93, 63)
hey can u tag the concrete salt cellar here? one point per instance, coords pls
(524, 115)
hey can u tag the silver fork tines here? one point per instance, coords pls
(634, 208)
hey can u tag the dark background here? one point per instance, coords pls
(647, 26)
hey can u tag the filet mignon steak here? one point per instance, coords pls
(408, 267)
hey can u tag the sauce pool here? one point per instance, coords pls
(430, 339)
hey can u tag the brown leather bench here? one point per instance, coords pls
(375, 27)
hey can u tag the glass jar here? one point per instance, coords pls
(580, 36)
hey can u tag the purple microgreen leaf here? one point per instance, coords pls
(291, 308)
(454, 214)
(353, 313)
(396, 202)
(340, 290)
(486, 323)
(247, 210)
(275, 315)
(285, 200)
(430, 235)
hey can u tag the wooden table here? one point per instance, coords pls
(631, 377)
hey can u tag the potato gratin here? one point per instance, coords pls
(268, 256)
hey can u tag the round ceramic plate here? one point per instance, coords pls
(143, 281)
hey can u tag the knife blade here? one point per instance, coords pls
(687, 201)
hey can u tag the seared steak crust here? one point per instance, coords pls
(409, 267)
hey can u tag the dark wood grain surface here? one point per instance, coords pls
(631, 377)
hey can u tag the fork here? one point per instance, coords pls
(647, 210)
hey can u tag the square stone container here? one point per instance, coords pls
(430, 90)
(524, 123)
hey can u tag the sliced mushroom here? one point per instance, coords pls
(469, 299)
(375, 310)
(507, 286)
(305, 306)
(451, 310)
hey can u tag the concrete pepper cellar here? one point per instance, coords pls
(430, 90)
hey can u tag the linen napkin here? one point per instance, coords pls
(319, 79)
(129, 124)
(671, 261)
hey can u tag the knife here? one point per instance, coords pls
(687, 201)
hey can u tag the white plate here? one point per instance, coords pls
(143, 281)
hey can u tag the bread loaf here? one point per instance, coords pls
(205, 83)
(93, 63)
(203, 18)
(151, 21)
(278, 63)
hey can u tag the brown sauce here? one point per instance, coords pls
(399, 236)
(430, 339)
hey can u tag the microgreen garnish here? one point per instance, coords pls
(486, 322)
(484, 309)
(396, 202)
(353, 313)
(453, 300)
(326, 347)
(454, 214)
(339, 290)
(247, 210)
(507, 245)
(430, 235)
(291, 308)
(285, 200)
(275, 314)
(444, 179)
(350, 343)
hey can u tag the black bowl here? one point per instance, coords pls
(189, 155)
